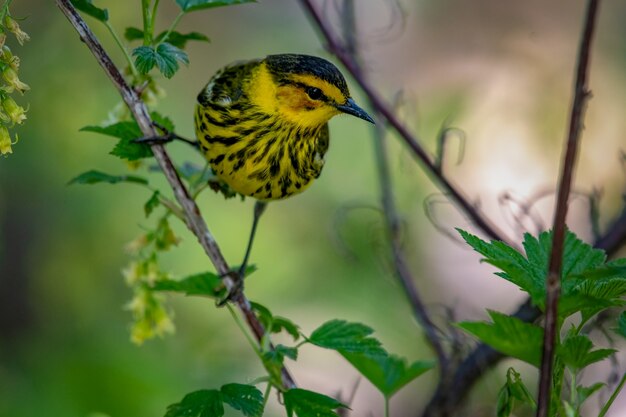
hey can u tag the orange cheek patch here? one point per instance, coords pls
(295, 99)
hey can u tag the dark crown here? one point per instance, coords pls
(283, 64)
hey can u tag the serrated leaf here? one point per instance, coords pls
(152, 203)
(586, 392)
(193, 5)
(510, 336)
(203, 403)
(87, 7)
(388, 373)
(180, 40)
(245, 398)
(347, 337)
(575, 352)
(165, 56)
(127, 132)
(203, 284)
(94, 177)
(310, 404)
(145, 58)
(133, 34)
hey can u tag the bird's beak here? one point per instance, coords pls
(351, 108)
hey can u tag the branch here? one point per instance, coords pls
(193, 218)
(336, 48)
(392, 220)
(553, 284)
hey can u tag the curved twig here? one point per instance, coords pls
(193, 218)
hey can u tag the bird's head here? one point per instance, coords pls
(307, 90)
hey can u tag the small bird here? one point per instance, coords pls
(263, 125)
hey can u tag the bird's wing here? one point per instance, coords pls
(226, 86)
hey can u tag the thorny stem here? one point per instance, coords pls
(390, 213)
(553, 284)
(193, 218)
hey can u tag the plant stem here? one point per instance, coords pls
(252, 343)
(154, 14)
(148, 23)
(119, 43)
(386, 406)
(173, 26)
(553, 281)
(266, 396)
(608, 404)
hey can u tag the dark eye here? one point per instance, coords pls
(314, 93)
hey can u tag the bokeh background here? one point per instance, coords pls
(499, 70)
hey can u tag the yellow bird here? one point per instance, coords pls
(263, 125)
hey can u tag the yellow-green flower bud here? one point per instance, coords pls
(14, 28)
(16, 113)
(5, 141)
(3, 38)
(10, 76)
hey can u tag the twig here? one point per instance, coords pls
(553, 284)
(336, 48)
(392, 220)
(193, 218)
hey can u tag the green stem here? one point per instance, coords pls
(619, 387)
(119, 43)
(573, 394)
(173, 26)
(386, 406)
(266, 396)
(244, 331)
(154, 13)
(148, 27)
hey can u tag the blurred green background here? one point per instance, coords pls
(500, 70)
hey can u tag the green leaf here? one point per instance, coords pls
(163, 121)
(94, 177)
(151, 204)
(586, 392)
(621, 325)
(388, 373)
(145, 58)
(164, 237)
(281, 323)
(203, 403)
(310, 404)
(166, 58)
(192, 5)
(180, 40)
(510, 336)
(245, 398)
(576, 353)
(204, 284)
(127, 132)
(512, 391)
(347, 337)
(133, 34)
(274, 358)
(87, 7)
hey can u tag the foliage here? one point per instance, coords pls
(11, 113)
(589, 285)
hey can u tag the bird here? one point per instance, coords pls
(262, 125)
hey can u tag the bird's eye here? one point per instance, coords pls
(314, 93)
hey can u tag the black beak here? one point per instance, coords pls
(351, 108)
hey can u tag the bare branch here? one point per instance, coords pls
(553, 282)
(340, 51)
(392, 220)
(193, 218)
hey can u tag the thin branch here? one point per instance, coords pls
(193, 218)
(392, 220)
(553, 284)
(336, 48)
